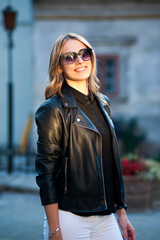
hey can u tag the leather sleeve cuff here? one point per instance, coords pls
(120, 207)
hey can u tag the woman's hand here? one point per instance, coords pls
(125, 225)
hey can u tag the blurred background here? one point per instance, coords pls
(126, 38)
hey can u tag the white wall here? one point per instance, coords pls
(137, 42)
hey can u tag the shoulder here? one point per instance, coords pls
(49, 108)
(104, 99)
(49, 120)
(105, 102)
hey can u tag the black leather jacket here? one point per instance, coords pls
(69, 155)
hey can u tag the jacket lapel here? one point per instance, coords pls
(104, 105)
(69, 101)
(81, 119)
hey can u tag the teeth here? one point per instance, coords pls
(80, 69)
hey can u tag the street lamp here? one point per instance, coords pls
(9, 19)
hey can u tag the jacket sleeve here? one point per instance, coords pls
(49, 151)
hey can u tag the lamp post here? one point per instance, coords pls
(9, 19)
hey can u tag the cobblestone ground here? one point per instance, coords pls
(21, 218)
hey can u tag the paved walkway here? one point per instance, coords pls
(21, 214)
(19, 182)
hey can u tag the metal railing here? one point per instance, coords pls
(21, 161)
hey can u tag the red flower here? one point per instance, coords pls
(133, 166)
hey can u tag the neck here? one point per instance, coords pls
(81, 86)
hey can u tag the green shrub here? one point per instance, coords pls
(130, 134)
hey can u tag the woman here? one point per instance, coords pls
(78, 165)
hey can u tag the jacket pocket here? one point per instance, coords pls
(65, 181)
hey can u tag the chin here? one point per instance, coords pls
(82, 76)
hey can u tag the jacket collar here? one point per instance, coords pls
(81, 97)
(69, 101)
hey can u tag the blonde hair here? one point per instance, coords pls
(56, 79)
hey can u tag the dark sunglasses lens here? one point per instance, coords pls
(86, 54)
(70, 58)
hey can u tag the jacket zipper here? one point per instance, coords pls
(65, 186)
(101, 162)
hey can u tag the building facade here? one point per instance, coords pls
(126, 38)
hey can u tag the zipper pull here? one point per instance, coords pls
(65, 190)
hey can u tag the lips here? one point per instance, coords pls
(80, 69)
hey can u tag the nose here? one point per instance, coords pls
(79, 59)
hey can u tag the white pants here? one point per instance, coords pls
(74, 227)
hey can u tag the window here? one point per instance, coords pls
(108, 74)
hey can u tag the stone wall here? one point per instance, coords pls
(131, 33)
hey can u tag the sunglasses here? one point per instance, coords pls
(71, 57)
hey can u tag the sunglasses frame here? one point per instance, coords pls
(80, 53)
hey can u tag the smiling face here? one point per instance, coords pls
(78, 71)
